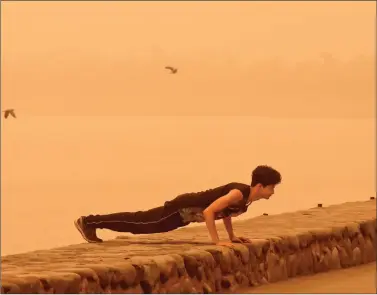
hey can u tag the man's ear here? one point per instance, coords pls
(259, 186)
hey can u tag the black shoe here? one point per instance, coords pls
(88, 233)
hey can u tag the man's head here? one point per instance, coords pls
(263, 181)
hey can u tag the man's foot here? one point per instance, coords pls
(89, 234)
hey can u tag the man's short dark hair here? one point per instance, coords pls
(265, 175)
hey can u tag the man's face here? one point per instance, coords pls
(266, 192)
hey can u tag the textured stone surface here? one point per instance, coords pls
(183, 261)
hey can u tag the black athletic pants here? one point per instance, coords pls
(157, 220)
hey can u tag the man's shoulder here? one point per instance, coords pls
(224, 189)
(237, 185)
(242, 187)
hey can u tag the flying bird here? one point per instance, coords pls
(173, 70)
(9, 112)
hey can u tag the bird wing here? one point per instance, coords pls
(169, 68)
(13, 114)
(6, 114)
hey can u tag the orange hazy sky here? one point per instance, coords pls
(92, 58)
(254, 29)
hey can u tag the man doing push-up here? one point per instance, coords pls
(223, 202)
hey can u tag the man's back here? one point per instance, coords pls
(205, 198)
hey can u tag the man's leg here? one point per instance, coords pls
(156, 220)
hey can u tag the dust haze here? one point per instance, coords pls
(103, 127)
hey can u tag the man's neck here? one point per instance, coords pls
(253, 196)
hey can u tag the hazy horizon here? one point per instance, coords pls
(102, 127)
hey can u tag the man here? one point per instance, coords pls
(223, 202)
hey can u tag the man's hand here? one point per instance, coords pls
(240, 240)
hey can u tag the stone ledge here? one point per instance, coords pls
(284, 246)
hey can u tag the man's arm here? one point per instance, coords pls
(209, 213)
(228, 226)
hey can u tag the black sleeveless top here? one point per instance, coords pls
(192, 205)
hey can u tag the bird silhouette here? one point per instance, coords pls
(9, 112)
(172, 70)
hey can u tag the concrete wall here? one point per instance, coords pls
(349, 239)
